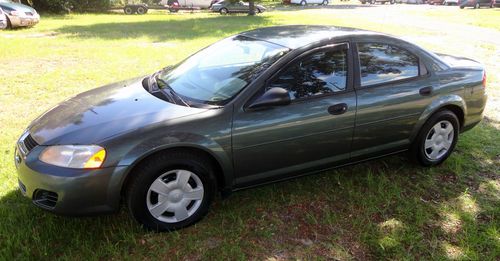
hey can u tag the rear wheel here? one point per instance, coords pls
(393, 2)
(303, 3)
(223, 11)
(171, 191)
(436, 139)
(372, 2)
(141, 10)
(477, 6)
(325, 2)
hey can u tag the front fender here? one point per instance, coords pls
(437, 104)
(173, 140)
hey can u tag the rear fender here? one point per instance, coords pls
(436, 105)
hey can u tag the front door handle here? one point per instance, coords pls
(425, 91)
(337, 109)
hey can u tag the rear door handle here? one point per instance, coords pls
(337, 109)
(425, 91)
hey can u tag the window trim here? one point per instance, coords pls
(350, 70)
(357, 62)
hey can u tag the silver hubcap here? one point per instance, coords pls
(175, 196)
(439, 139)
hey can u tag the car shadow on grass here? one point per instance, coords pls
(168, 29)
(382, 209)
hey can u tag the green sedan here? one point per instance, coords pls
(258, 107)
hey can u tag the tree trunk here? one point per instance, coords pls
(251, 5)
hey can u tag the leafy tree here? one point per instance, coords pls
(66, 6)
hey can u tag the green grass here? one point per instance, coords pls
(383, 209)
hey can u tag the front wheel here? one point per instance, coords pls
(325, 2)
(9, 24)
(477, 6)
(392, 2)
(128, 10)
(171, 191)
(437, 138)
(303, 3)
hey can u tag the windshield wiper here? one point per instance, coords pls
(165, 88)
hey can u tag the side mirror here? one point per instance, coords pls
(273, 97)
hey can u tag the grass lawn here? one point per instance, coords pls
(383, 209)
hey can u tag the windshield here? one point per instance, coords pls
(217, 73)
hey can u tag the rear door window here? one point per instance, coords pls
(383, 63)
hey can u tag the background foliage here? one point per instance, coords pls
(66, 6)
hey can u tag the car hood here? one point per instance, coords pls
(100, 113)
(16, 6)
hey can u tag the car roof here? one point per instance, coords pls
(296, 36)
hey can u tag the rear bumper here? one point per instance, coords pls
(475, 109)
(69, 191)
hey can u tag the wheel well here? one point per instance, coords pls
(219, 175)
(457, 111)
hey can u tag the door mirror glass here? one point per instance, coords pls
(273, 97)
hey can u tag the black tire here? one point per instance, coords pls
(477, 5)
(146, 173)
(325, 2)
(372, 2)
(418, 147)
(9, 24)
(392, 2)
(303, 3)
(223, 11)
(462, 7)
(141, 10)
(128, 10)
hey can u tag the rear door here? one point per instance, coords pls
(314, 130)
(393, 88)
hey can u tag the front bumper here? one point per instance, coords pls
(69, 191)
(17, 21)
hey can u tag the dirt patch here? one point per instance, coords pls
(32, 35)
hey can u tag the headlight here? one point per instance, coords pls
(15, 13)
(74, 156)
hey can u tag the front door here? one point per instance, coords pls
(314, 130)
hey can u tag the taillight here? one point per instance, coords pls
(484, 79)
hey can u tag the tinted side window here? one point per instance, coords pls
(319, 73)
(380, 63)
